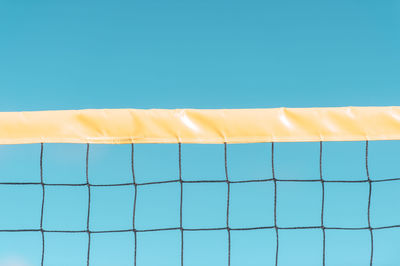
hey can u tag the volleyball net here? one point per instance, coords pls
(314, 186)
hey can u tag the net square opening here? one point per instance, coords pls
(110, 164)
(296, 160)
(252, 204)
(65, 208)
(203, 162)
(346, 205)
(383, 159)
(200, 251)
(64, 163)
(20, 206)
(348, 247)
(112, 249)
(22, 248)
(65, 249)
(254, 247)
(385, 204)
(158, 206)
(20, 163)
(159, 248)
(111, 208)
(156, 162)
(249, 161)
(344, 160)
(204, 205)
(300, 247)
(299, 204)
(386, 246)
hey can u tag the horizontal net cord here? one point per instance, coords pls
(201, 229)
(202, 181)
(119, 126)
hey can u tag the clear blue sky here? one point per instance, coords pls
(199, 54)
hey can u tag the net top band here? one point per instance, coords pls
(121, 126)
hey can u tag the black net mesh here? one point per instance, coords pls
(276, 227)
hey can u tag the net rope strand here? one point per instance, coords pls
(89, 198)
(275, 202)
(322, 205)
(227, 202)
(43, 200)
(369, 204)
(199, 229)
(181, 199)
(203, 181)
(134, 203)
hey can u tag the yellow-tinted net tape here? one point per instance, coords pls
(201, 126)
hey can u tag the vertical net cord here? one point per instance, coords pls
(43, 198)
(369, 204)
(275, 197)
(88, 213)
(181, 199)
(227, 203)
(134, 204)
(322, 204)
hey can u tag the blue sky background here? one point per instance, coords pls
(199, 54)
